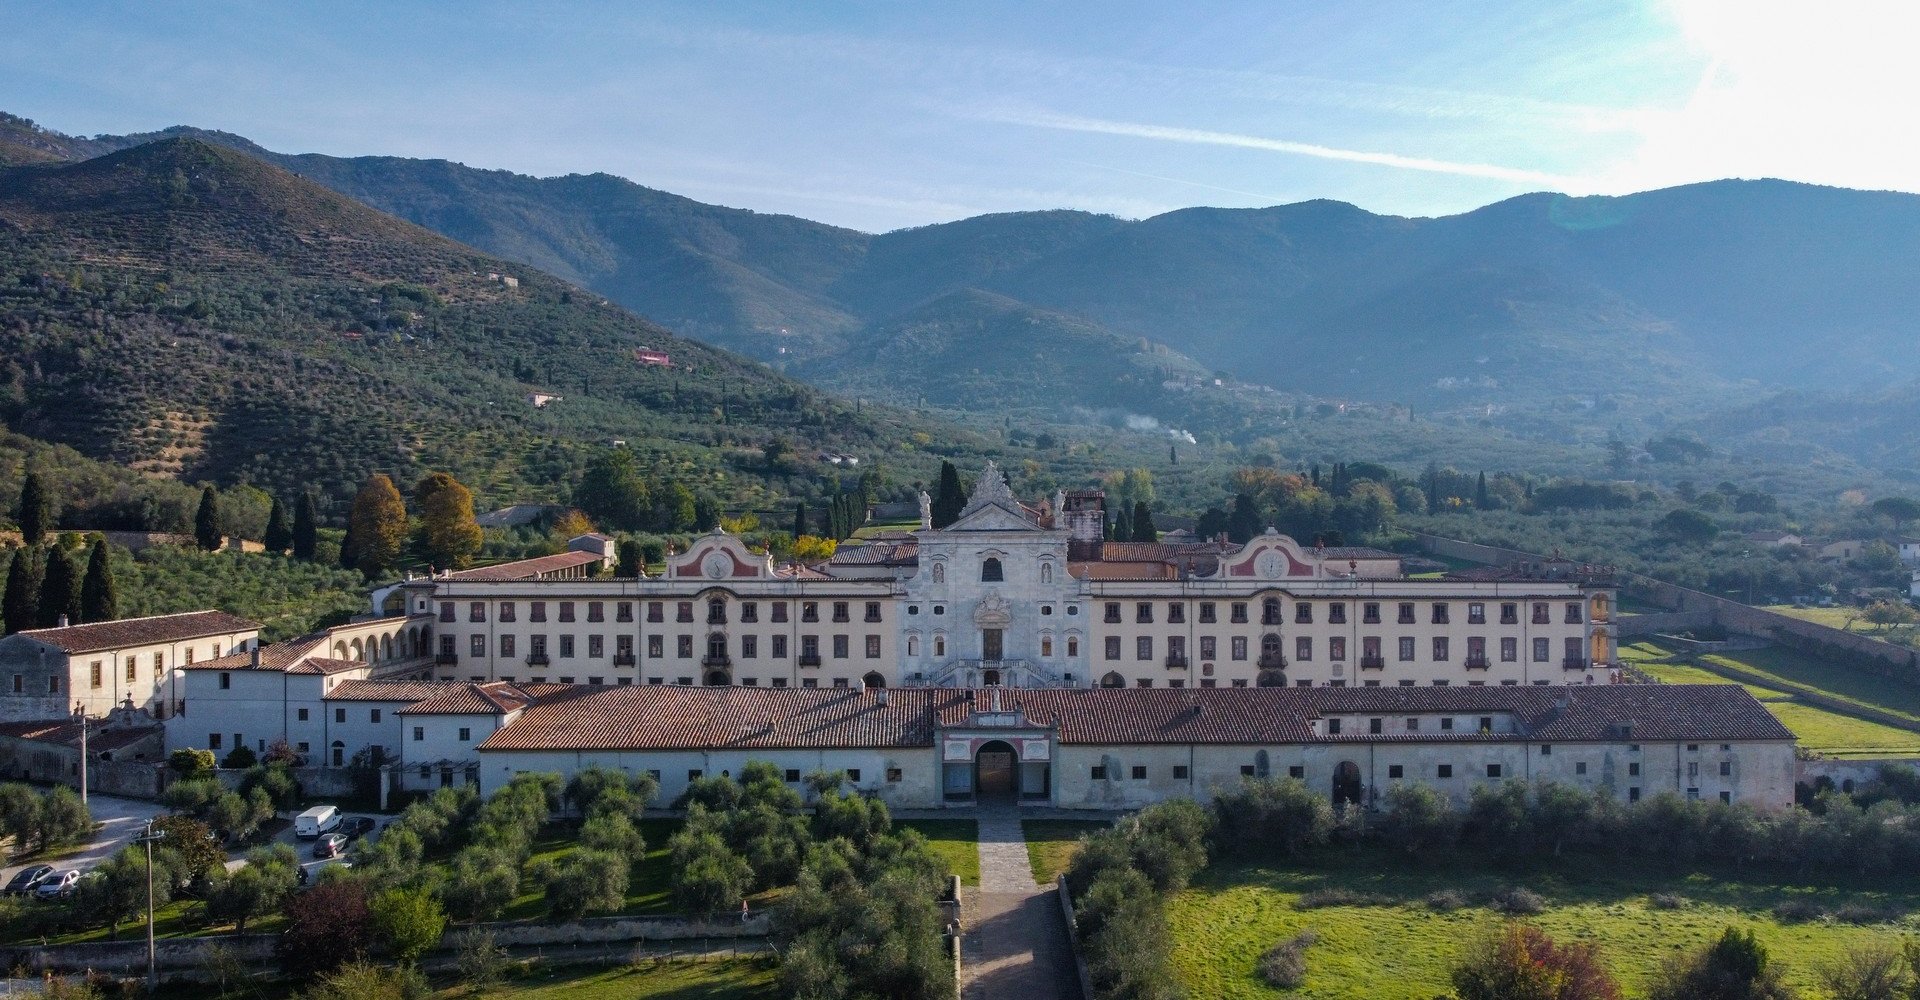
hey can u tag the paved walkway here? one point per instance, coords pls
(1015, 946)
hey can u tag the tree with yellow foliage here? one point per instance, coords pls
(377, 527)
(449, 537)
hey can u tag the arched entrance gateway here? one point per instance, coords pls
(1346, 783)
(996, 772)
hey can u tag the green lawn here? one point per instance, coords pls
(1051, 843)
(646, 890)
(732, 979)
(1847, 619)
(1405, 949)
(956, 842)
(1819, 729)
(1834, 680)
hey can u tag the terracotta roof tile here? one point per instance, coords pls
(524, 569)
(97, 636)
(407, 691)
(472, 699)
(66, 732)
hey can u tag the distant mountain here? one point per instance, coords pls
(1542, 313)
(192, 311)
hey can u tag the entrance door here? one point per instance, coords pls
(991, 645)
(1346, 783)
(995, 771)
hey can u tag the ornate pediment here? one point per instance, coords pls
(993, 611)
(993, 518)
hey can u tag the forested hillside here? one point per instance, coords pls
(186, 310)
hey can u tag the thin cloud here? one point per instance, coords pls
(1205, 137)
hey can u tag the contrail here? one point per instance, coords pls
(1203, 137)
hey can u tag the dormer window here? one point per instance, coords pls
(990, 571)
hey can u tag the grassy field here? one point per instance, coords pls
(1405, 948)
(1821, 729)
(1841, 618)
(1051, 844)
(733, 979)
(956, 842)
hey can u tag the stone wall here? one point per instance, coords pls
(1073, 940)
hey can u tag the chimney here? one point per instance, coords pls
(253, 657)
(884, 699)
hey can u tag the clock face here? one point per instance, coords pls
(1269, 564)
(715, 565)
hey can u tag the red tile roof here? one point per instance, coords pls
(525, 569)
(66, 732)
(492, 698)
(98, 636)
(660, 717)
(407, 691)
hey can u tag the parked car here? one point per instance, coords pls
(357, 827)
(330, 846)
(27, 878)
(56, 886)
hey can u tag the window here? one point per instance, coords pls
(1303, 647)
(1509, 613)
(990, 571)
(1575, 613)
(1073, 649)
(1177, 614)
(809, 611)
(779, 647)
(656, 611)
(1270, 611)
(1143, 648)
(1443, 770)
(1113, 647)
(1406, 649)
(623, 611)
(779, 612)
(1546, 749)
(873, 611)
(1246, 770)
(1542, 649)
(840, 611)
(873, 647)
(596, 647)
(894, 773)
(1139, 773)
(1726, 769)
(566, 611)
(1413, 723)
(1337, 613)
(1207, 617)
(1238, 613)
(1333, 727)
(839, 647)
(213, 741)
(1099, 773)
(1143, 682)
(1180, 772)
(693, 774)
(302, 716)
(566, 647)
(1486, 723)
(655, 645)
(1633, 794)
(226, 679)
(1406, 613)
(1442, 613)
(1239, 644)
(1143, 613)
(596, 611)
(537, 611)
(1633, 769)
(1337, 647)
(1540, 614)
(1209, 647)
(419, 733)
(1509, 649)
(1580, 767)
(1296, 771)
(1302, 613)
(1395, 771)
(1493, 770)
(1370, 613)
(506, 646)
(683, 647)
(853, 774)
(1476, 614)
(683, 612)
(749, 647)
(446, 611)
(477, 645)
(1693, 769)
(373, 715)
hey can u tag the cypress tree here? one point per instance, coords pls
(799, 519)
(36, 509)
(1143, 523)
(1243, 522)
(279, 537)
(349, 548)
(1120, 529)
(59, 590)
(206, 520)
(1480, 491)
(633, 560)
(20, 605)
(99, 598)
(306, 533)
(949, 499)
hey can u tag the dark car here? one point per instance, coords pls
(357, 827)
(330, 846)
(27, 878)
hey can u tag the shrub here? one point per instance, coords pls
(1520, 962)
(407, 923)
(1872, 971)
(1266, 814)
(708, 878)
(1667, 901)
(239, 759)
(479, 960)
(1446, 901)
(1284, 965)
(588, 881)
(1867, 913)
(1795, 911)
(365, 981)
(1516, 901)
(190, 763)
(1735, 967)
(328, 926)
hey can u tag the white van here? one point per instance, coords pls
(311, 824)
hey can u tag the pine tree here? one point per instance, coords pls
(99, 598)
(36, 509)
(279, 537)
(1243, 522)
(949, 499)
(1143, 523)
(206, 521)
(799, 519)
(59, 590)
(306, 532)
(378, 525)
(20, 605)
(449, 535)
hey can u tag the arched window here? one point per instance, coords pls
(873, 680)
(913, 645)
(1046, 645)
(717, 647)
(939, 573)
(939, 645)
(990, 571)
(339, 754)
(355, 648)
(1270, 649)
(1113, 680)
(716, 611)
(1046, 572)
(1073, 645)
(1270, 611)
(386, 647)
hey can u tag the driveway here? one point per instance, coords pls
(303, 849)
(118, 821)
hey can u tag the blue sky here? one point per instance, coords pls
(883, 115)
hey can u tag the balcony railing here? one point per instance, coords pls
(1273, 661)
(538, 659)
(720, 660)
(1373, 663)
(1479, 663)
(1271, 619)
(623, 659)
(445, 659)
(1177, 661)
(809, 659)
(1574, 663)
